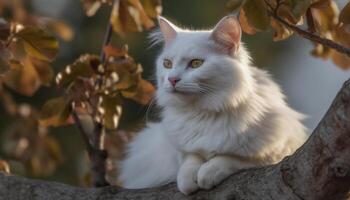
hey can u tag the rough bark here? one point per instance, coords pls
(319, 170)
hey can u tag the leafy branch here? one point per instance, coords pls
(308, 35)
(94, 87)
(94, 148)
(327, 24)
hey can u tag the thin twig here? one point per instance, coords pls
(106, 41)
(308, 35)
(98, 159)
(84, 135)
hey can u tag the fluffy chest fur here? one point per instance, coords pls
(263, 128)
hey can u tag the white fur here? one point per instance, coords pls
(223, 116)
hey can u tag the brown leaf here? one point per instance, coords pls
(4, 166)
(233, 5)
(324, 16)
(62, 29)
(30, 143)
(92, 6)
(109, 110)
(256, 14)
(153, 8)
(281, 32)
(130, 16)
(37, 43)
(342, 60)
(342, 36)
(5, 56)
(246, 27)
(285, 12)
(111, 51)
(44, 71)
(4, 29)
(142, 93)
(321, 51)
(299, 8)
(84, 66)
(344, 16)
(23, 78)
(310, 21)
(55, 112)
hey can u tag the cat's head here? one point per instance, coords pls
(202, 69)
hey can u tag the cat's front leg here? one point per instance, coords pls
(218, 168)
(187, 174)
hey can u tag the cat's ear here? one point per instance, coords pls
(227, 34)
(168, 30)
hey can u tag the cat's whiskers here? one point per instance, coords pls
(151, 103)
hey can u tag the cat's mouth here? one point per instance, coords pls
(178, 91)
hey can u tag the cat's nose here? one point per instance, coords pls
(173, 80)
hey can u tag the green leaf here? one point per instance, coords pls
(55, 112)
(256, 13)
(37, 43)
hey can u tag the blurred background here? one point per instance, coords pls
(309, 83)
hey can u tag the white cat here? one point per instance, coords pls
(220, 114)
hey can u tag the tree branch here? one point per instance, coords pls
(319, 170)
(308, 35)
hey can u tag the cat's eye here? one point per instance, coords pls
(167, 63)
(195, 63)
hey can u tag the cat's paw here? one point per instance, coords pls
(210, 175)
(187, 180)
(187, 185)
